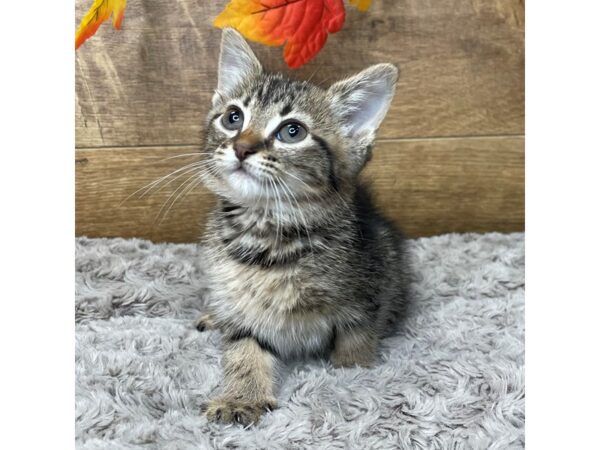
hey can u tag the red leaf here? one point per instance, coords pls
(303, 25)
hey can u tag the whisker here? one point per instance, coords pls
(266, 212)
(277, 206)
(293, 214)
(191, 185)
(199, 165)
(150, 185)
(262, 188)
(183, 189)
(312, 75)
(296, 178)
(302, 181)
(183, 155)
(301, 215)
(159, 217)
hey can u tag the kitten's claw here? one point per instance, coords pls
(204, 322)
(238, 411)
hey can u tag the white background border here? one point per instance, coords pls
(562, 220)
(37, 225)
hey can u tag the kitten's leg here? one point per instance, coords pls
(355, 346)
(205, 322)
(249, 380)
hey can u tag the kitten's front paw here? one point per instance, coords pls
(204, 322)
(225, 409)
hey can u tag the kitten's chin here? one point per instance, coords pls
(244, 186)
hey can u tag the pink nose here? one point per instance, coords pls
(244, 149)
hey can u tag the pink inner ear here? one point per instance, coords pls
(237, 61)
(365, 98)
(367, 107)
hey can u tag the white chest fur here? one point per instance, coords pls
(272, 304)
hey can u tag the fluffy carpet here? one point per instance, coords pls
(452, 378)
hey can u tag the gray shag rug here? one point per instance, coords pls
(453, 377)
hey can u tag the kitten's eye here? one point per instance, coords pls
(291, 132)
(233, 119)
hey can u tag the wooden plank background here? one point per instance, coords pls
(449, 157)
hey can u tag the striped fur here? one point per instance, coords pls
(300, 261)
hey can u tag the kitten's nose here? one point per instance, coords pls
(244, 149)
(246, 144)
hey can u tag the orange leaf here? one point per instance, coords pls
(362, 5)
(302, 25)
(98, 13)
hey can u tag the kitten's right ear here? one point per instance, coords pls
(237, 63)
(363, 100)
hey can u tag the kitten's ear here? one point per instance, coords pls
(237, 62)
(363, 100)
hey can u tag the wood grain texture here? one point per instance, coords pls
(461, 67)
(428, 186)
(104, 180)
(435, 186)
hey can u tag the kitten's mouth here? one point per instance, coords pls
(243, 182)
(243, 173)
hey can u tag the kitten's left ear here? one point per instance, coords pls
(362, 100)
(237, 63)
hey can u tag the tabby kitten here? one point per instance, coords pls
(299, 260)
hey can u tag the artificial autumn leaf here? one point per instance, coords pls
(302, 25)
(362, 5)
(98, 13)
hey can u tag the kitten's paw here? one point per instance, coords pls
(245, 412)
(343, 359)
(204, 322)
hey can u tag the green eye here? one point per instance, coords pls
(233, 119)
(291, 132)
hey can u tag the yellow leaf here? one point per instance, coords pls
(301, 25)
(98, 13)
(246, 16)
(362, 5)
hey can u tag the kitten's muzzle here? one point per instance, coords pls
(243, 150)
(247, 144)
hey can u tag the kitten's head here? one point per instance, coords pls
(269, 137)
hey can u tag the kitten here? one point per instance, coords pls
(300, 261)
